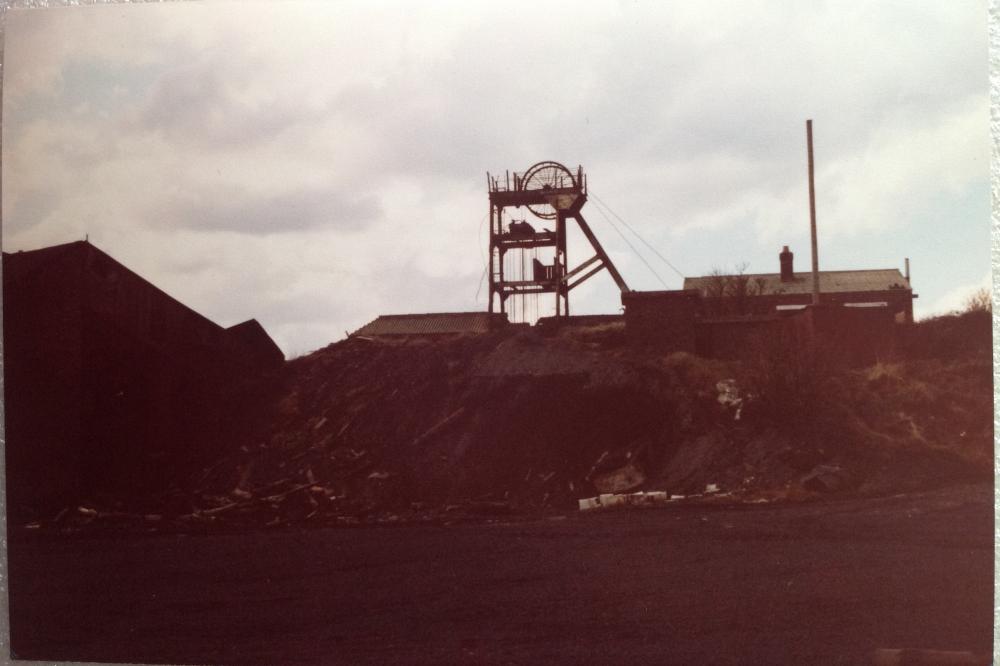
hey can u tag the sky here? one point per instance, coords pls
(315, 165)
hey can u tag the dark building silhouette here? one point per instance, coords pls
(256, 346)
(729, 316)
(767, 293)
(432, 324)
(111, 385)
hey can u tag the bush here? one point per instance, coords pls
(793, 383)
(952, 336)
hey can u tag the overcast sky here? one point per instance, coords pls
(314, 165)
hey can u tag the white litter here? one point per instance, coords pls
(638, 499)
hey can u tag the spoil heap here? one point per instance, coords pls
(514, 422)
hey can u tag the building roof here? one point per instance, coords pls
(662, 293)
(251, 334)
(879, 279)
(27, 270)
(27, 264)
(435, 323)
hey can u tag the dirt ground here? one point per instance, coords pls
(812, 583)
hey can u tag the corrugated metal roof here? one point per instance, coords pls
(436, 323)
(880, 279)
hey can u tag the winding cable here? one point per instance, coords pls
(629, 227)
(627, 242)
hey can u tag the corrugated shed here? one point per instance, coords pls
(881, 279)
(437, 323)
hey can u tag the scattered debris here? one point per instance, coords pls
(441, 425)
(546, 420)
(824, 479)
(488, 508)
(596, 466)
(624, 478)
(917, 657)
(730, 396)
(611, 500)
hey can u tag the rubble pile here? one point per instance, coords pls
(482, 425)
(514, 422)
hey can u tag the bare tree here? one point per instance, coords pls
(730, 294)
(980, 300)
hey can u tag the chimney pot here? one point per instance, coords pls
(786, 260)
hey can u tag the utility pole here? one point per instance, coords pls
(812, 215)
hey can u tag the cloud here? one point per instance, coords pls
(241, 209)
(327, 159)
(956, 298)
(206, 105)
(28, 208)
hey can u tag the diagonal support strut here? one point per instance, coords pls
(605, 259)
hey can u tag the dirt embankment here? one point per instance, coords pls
(513, 421)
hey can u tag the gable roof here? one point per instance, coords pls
(29, 265)
(253, 336)
(436, 323)
(879, 279)
(104, 280)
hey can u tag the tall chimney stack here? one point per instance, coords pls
(787, 270)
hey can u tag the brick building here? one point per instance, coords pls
(725, 316)
(768, 293)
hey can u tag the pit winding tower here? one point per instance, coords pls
(551, 193)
